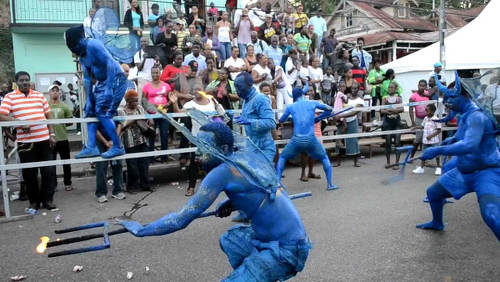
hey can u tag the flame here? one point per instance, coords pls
(204, 94)
(43, 244)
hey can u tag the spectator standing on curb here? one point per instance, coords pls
(431, 137)
(319, 25)
(327, 48)
(301, 19)
(392, 121)
(154, 16)
(60, 110)
(101, 171)
(365, 58)
(34, 141)
(244, 30)
(133, 19)
(235, 64)
(375, 79)
(259, 45)
(273, 51)
(418, 112)
(225, 36)
(267, 30)
(134, 140)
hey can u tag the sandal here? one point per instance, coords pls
(395, 167)
(68, 188)
(189, 192)
(304, 179)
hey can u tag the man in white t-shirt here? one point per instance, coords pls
(292, 67)
(87, 23)
(438, 67)
(235, 64)
(143, 63)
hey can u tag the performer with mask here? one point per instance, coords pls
(475, 166)
(303, 140)
(275, 246)
(103, 98)
(258, 118)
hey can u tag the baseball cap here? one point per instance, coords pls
(52, 87)
(438, 64)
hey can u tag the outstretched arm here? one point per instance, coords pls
(209, 189)
(285, 115)
(327, 111)
(472, 138)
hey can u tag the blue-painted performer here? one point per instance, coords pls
(275, 246)
(103, 98)
(303, 140)
(258, 118)
(475, 166)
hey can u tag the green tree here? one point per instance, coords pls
(311, 6)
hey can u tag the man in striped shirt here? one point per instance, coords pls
(34, 141)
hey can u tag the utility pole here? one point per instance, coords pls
(442, 28)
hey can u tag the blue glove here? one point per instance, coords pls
(430, 153)
(224, 209)
(132, 226)
(241, 120)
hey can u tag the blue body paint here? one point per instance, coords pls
(475, 166)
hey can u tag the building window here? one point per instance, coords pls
(348, 20)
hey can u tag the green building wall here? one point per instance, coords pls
(42, 53)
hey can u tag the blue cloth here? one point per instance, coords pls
(202, 65)
(275, 54)
(351, 144)
(483, 182)
(104, 104)
(259, 47)
(152, 17)
(257, 109)
(253, 260)
(225, 50)
(364, 57)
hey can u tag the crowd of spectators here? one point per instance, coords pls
(183, 57)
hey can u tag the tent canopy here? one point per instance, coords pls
(474, 46)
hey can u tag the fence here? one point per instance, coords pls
(5, 167)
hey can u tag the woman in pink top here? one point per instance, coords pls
(154, 94)
(419, 111)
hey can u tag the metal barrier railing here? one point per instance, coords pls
(5, 167)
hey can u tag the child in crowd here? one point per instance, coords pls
(329, 75)
(213, 11)
(431, 137)
(306, 160)
(418, 112)
(392, 121)
(328, 88)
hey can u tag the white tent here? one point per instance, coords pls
(474, 46)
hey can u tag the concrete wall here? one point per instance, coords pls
(41, 53)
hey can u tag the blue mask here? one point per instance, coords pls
(243, 84)
(206, 160)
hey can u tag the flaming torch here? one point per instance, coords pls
(43, 244)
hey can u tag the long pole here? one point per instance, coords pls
(442, 28)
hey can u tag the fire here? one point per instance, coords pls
(43, 244)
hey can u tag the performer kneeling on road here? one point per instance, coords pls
(274, 247)
(303, 140)
(475, 166)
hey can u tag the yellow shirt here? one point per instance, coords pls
(300, 20)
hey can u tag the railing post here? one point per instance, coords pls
(5, 189)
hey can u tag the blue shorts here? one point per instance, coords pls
(483, 182)
(253, 260)
(304, 144)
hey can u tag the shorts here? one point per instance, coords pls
(419, 134)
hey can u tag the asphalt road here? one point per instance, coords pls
(364, 231)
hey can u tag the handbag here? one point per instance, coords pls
(146, 130)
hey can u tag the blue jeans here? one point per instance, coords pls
(225, 50)
(101, 169)
(163, 125)
(243, 50)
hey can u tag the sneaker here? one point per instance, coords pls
(438, 171)
(102, 199)
(50, 206)
(79, 133)
(119, 196)
(418, 170)
(374, 122)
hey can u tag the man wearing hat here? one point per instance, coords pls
(267, 29)
(438, 67)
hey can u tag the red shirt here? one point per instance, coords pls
(169, 72)
(359, 74)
